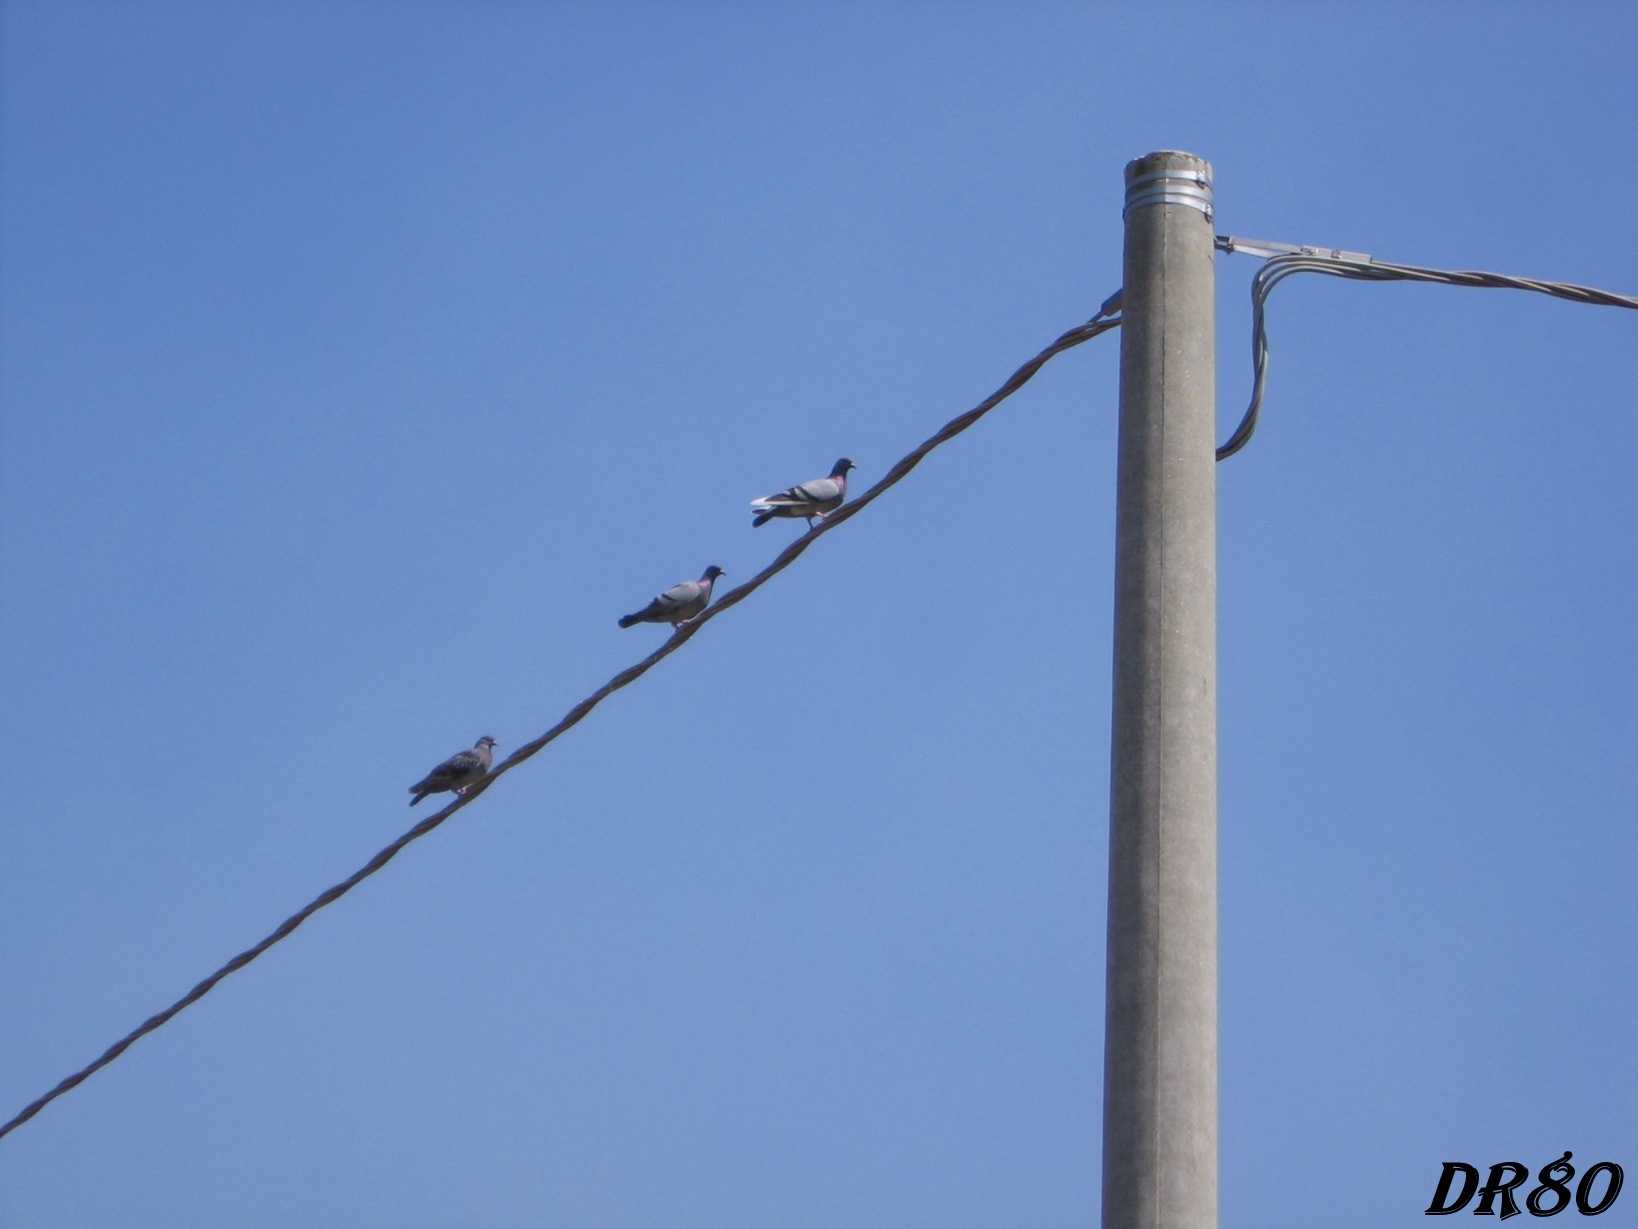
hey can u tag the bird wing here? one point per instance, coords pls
(819, 491)
(679, 595)
(457, 766)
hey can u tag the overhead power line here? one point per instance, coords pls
(1107, 318)
(1285, 259)
(1281, 261)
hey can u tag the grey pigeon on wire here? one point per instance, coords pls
(458, 773)
(810, 500)
(679, 603)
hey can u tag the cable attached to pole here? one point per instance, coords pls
(1107, 318)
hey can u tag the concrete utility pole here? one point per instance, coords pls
(1160, 1049)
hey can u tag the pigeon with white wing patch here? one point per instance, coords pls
(809, 500)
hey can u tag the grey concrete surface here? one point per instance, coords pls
(1160, 1055)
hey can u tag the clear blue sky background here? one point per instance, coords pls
(362, 363)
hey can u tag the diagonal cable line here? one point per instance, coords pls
(1107, 318)
(1284, 259)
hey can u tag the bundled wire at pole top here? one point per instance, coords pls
(1282, 260)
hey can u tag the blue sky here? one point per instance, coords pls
(360, 364)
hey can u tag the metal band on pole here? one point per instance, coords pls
(1171, 186)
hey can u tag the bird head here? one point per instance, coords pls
(841, 467)
(712, 572)
(485, 741)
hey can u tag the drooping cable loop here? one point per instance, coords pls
(1282, 260)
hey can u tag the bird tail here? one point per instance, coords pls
(630, 620)
(417, 798)
(762, 517)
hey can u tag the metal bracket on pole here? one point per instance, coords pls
(1267, 247)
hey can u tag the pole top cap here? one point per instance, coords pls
(1169, 177)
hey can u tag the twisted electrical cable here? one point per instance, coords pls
(1283, 260)
(1106, 319)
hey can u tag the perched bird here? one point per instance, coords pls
(810, 500)
(679, 603)
(457, 773)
